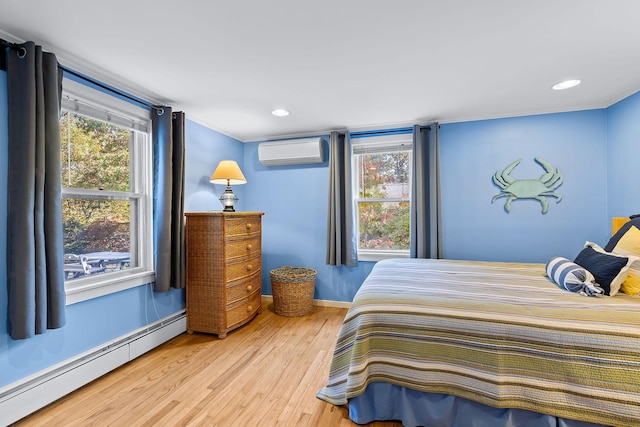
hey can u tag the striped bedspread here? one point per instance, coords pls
(501, 334)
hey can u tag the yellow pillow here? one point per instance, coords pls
(629, 245)
(631, 285)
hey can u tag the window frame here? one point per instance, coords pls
(78, 98)
(401, 141)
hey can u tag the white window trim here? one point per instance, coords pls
(379, 254)
(136, 118)
(375, 144)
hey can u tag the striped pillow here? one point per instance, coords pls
(571, 277)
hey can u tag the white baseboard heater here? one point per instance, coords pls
(29, 394)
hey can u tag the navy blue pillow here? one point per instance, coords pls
(604, 267)
(613, 241)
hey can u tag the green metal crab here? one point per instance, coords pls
(536, 189)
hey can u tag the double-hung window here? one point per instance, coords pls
(382, 193)
(106, 192)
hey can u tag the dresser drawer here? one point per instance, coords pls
(244, 226)
(244, 288)
(239, 269)
(243, 247)
(243, 310)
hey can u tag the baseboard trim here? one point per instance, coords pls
(317, 302)
(21, 398)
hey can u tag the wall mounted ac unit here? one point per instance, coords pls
(291, 152)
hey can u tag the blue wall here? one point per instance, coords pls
(294, 199)
(204, 150)
(623, 140)
(471, 152)
(94, 322)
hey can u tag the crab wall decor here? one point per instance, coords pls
(536, 189)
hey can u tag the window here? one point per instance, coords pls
(106, 193)
(382, 175)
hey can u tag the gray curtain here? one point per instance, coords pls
(426, 217)
(341, 233)
(168, 198)
(35, 271)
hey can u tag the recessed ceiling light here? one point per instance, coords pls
(280, 112)
(566, 84)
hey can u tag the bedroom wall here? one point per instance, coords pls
(94, 322)
(623, 152)
(204, 150)
(294, 197)
(471, 152)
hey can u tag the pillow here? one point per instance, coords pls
(629, 245)
(572, 277)
(631, 285)
(634, 220)
(609, 269)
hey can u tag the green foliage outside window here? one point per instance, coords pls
(384, 200)
(94, 156)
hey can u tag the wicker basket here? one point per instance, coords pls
(293, 289)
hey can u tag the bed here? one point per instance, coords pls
(459, 343)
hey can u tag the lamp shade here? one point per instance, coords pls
(228, 173)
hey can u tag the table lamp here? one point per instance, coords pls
(228, 172)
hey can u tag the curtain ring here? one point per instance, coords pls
(22, 52)
(160, 111)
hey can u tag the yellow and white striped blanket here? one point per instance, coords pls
(501, 334)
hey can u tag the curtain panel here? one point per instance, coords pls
(341, 233)
(168, 198)
(35, 272)
(426, 216)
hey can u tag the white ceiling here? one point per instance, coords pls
(336, 64)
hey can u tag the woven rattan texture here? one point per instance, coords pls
(224, 270)
(293, 289)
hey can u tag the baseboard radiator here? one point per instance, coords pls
(29, 394)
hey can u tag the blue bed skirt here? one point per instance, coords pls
(386, 402)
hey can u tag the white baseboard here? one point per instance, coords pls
(19, 399)
(318, 302)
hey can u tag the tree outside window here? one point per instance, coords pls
(383, 199)
(95, 155)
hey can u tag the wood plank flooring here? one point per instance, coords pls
(266, 373)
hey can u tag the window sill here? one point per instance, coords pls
(94, 287)
(374, 255)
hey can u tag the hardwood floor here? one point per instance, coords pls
(266, 373)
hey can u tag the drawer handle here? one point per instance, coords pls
(249, 288)
(249, 267)
(249, 246)
(249, 225)
(249, 308)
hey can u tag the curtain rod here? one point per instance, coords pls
(380, 132)
(110, 89)
(13, 46)
(10, 45)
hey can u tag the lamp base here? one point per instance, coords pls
(228, 199)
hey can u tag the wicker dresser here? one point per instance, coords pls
(224, 270)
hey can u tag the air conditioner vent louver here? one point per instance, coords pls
(291, 152)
